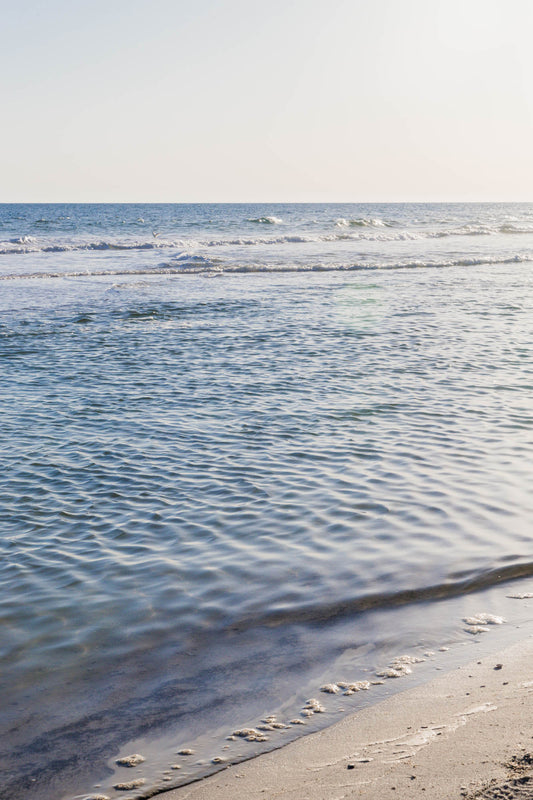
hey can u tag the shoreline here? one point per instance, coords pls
(449, 737)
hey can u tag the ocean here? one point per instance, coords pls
(251, 456)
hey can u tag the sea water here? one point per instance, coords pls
(247, 451)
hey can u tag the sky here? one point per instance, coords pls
(290, 100)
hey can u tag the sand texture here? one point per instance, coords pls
(467, 734)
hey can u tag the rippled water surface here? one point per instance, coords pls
(215, 476)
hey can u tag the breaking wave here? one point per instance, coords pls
(364, 223)
(266, 220)
(196, 264)
(366, 230)
(27, 244)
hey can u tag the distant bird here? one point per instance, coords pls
(155, 234)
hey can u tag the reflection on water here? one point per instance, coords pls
(207, 488)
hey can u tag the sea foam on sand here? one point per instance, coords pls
(464, 734)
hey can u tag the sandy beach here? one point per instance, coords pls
(466, 734)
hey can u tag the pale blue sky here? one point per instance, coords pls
(295, 100)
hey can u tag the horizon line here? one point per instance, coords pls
(257, 202)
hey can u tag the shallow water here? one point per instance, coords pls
(225, 471)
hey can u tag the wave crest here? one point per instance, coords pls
(364, 222)
(189, 263)
(27, 244)
(270, 220)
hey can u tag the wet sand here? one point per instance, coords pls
(466, 734)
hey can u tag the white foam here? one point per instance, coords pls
(484, 619)
(27, 244)
(356, 686)
(250, 734)
(125, 787)
(363, 223)
(390, 672)
(267, 220)
(399, 667)
(130, 761)
(313, 706)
